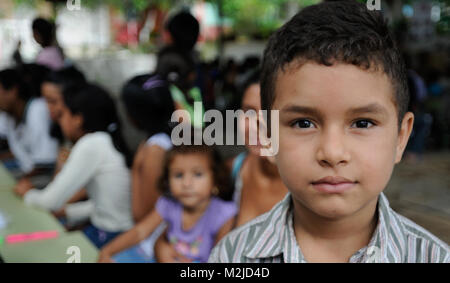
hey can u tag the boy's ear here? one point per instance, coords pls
(403, 135)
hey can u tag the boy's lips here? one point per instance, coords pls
(333, 184)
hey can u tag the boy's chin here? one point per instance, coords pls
(332, 209)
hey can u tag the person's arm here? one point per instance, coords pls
(79, 169)
(132, 237)
(227, 227)
(166, 253)
(145, 178)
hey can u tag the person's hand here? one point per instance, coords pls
(59, 213)
(23, 186)
(166, 253)
(105, 257)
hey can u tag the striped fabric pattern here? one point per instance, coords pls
(270, 238)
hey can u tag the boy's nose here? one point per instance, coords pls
(332, 150)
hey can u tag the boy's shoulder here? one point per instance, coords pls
(398, 238)
(419, 245)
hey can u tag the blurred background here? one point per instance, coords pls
(112, 41)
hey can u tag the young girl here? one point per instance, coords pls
(257, 184)
(197, 218)
(98, 162)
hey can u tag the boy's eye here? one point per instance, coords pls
(363, 124)
(303, 123)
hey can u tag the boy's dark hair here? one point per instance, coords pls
(45, 29)
(184, 29)
(11, 78)
(99, 113)
(342, 31)
(220, 172)
(149, 104)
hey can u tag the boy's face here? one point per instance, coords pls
(339, 137)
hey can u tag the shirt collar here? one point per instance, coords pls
(277, 237)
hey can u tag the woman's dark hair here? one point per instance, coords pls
(11, 78)
(45, 29)
(184, 29)
(175, 66)
(66, 76)
(149, 104)
(63, 78)
(253, 78)
(98, 111)
(330, 32)
(220, 172)
(33, 75)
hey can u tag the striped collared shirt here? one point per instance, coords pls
(270, 238)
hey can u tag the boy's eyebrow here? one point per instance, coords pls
(302, 109)
(373, 108)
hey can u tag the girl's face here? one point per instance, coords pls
(71, 125)
(191, 180)
(53, 97)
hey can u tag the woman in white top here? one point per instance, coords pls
(98, 162)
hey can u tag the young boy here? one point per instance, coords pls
(336, 77)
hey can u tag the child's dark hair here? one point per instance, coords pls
(330, 32)
(45, 29)
(11, 78)
(220, 172)
(98, 111)
(184, 29)
(149, 103)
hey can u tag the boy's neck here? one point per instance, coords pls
(339, 237)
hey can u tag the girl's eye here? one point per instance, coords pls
(178, 175)
(198, 174)
(363, 124)
(303, 123)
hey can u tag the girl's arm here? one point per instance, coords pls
(227, 227)
(132, 237)
(166, 253)
(81, 166)
(145, 175)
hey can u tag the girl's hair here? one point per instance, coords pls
(175, 66)
(220, 172)
(11, 78)
(148, 102)
(98, 111)
(45, 29)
